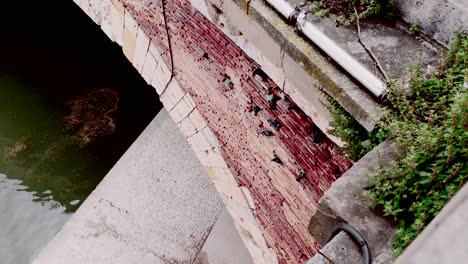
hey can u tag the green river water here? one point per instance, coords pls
(47, 166)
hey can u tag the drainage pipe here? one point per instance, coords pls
(298, 19)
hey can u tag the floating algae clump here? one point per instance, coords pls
(91, 114)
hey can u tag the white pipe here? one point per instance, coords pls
(376, 86)
(283, 7)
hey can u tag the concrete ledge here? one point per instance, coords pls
(439, 19)
(444, 239)
(344, 201)
(150, 208)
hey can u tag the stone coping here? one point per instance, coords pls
(345, 202)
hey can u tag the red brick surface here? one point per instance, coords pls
(203, 57)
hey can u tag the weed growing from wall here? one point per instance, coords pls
(381, 9)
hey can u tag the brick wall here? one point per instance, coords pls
(212, 99)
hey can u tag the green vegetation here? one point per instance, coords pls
(382, 9)
(431, 125)
(358, 140)
(415, 28)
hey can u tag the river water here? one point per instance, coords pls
(70, 105)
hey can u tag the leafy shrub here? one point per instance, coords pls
(431, 125)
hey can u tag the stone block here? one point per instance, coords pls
(345, 201)
(106, 25)
(141, 49)
(321, 224)
(172, 95)
(99, 10)
(222, 175)
(226, 184)
(148, 68)
(161, 75)
(248, 197)
(155, 52)
(210, 137)
(255, 252)
(203, 140)
(199, 142)
(84, 5)
(182, 109)
(340, 250)
(197, 120)
(119, 6)
(187, 128)
(242, 214)
(129, 36)
(117, 22)
(211, 158)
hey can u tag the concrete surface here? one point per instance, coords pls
(342, 250)
(156, 205)
(439, 19)
(395, 48)
(444, 240)
(224, 245)
(344, 201)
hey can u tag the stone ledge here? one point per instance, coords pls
(328, 77)
(344, 202)
(438, 18)
(444, 239)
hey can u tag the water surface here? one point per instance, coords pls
(50, 159)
